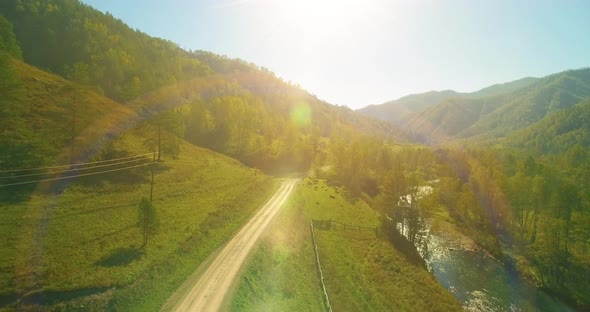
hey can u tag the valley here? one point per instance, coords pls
(139, 175)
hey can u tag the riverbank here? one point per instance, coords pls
(479, 280)
(460, 241)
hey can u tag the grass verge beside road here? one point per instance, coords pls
(362, 271)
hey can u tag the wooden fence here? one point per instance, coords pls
(317, 257)
(333, 225)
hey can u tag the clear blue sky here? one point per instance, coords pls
(360, 52)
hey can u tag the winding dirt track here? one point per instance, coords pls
(210, 290)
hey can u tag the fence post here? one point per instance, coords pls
(317, 256)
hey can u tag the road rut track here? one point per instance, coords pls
(212, 287)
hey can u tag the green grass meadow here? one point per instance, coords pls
(83, 247)
(362, 272)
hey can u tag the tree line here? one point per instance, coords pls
(510, 201)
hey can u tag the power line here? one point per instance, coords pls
(74, 169)
(79, 175)
(73, 165)
(261, 148)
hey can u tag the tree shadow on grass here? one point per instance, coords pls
(16, 194)
(112, 233)
(121, 257)
(95, 209)
(40, 299)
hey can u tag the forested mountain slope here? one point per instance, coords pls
(493, 117)
(502, 88)
(528, 105)
(557, 132)
(259, 120)
(228, 105)
(395, 111)
(400, 110)
(123, 63)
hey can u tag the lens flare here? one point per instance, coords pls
(301, 115)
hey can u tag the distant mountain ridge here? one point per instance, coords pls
(501, 88)
(528, 105)
(396, 110)
(519, 112)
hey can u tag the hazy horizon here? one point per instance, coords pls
(357, 53)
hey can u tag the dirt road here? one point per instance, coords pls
(210, 290)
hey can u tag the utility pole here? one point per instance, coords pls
(145, 228)
(159, 142)
(73, 136)
(152, 184)
(146, 210)
(151, 196)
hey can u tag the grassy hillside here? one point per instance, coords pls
(362, 272)
(57, 115)
(77, 243)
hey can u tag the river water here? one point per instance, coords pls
(481, 283)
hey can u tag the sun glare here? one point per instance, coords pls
(310, 15)
(308, 32)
